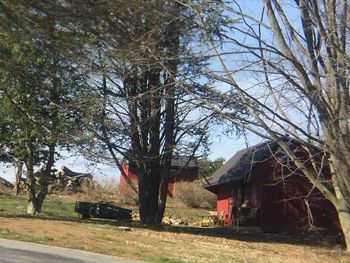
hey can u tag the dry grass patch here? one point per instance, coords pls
(161, 245)
(60, 226)
(102, 190)
(193, 195)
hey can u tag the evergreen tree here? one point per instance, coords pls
(39, 85)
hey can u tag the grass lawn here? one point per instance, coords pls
(60, 226)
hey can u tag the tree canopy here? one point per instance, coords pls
(39, 84)
(289, 64)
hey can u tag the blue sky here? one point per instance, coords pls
(221, 146)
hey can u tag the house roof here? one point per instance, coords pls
(241, 164)
(183, 162)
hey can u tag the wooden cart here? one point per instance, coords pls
(102, 210)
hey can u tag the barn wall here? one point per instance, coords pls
(227, 197)
(187, 175)
(280, 205)
(175, 176)
(283, 207)
(252, 194)
(224, 204)
(278, 215)
(132, 176)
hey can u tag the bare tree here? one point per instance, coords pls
(294, 57)
(142, 70)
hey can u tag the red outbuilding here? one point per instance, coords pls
(260, 187)
(183, 168)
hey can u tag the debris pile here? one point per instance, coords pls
(174, 221)
(5, 184)
(135, 216)
(67, 179)
(63, 179)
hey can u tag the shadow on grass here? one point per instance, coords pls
(319, 239)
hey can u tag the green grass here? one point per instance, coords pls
(59, 208)
(59, 225)
(18, 205)
(65, 209)
(11, 234)
(12, 204)
(164, 259)
(175, 208)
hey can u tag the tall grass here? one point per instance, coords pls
(193, 195)
(111, 191)
(102, 190)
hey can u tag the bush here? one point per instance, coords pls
(105, 191)
(110, 191)
(127, 195)
(192, 194)
(5, 191)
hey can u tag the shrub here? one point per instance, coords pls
(110, 191)
(192, 194)
(127, 195)
(5, 191)
(101, 190)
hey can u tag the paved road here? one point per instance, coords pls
(24, 252)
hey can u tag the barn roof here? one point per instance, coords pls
(183, 162)
(241, 164)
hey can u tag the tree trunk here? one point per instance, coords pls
(340, 172)
(163, 196)
(31, 205)
(173, 35)
(35, 202)
(148, 199)
(46, 177)
(32, 200)
(34, 205)
(18, 177)
(344, 220)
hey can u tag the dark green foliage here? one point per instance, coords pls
(121, 79)
(40, 83)
(207, 167)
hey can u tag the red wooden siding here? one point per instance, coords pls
(132, 176)
(176, 175)
(280, 202)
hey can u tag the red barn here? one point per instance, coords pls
(182, 168)
(255, 188)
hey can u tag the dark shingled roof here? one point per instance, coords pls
(184, 162)
(241, 164)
